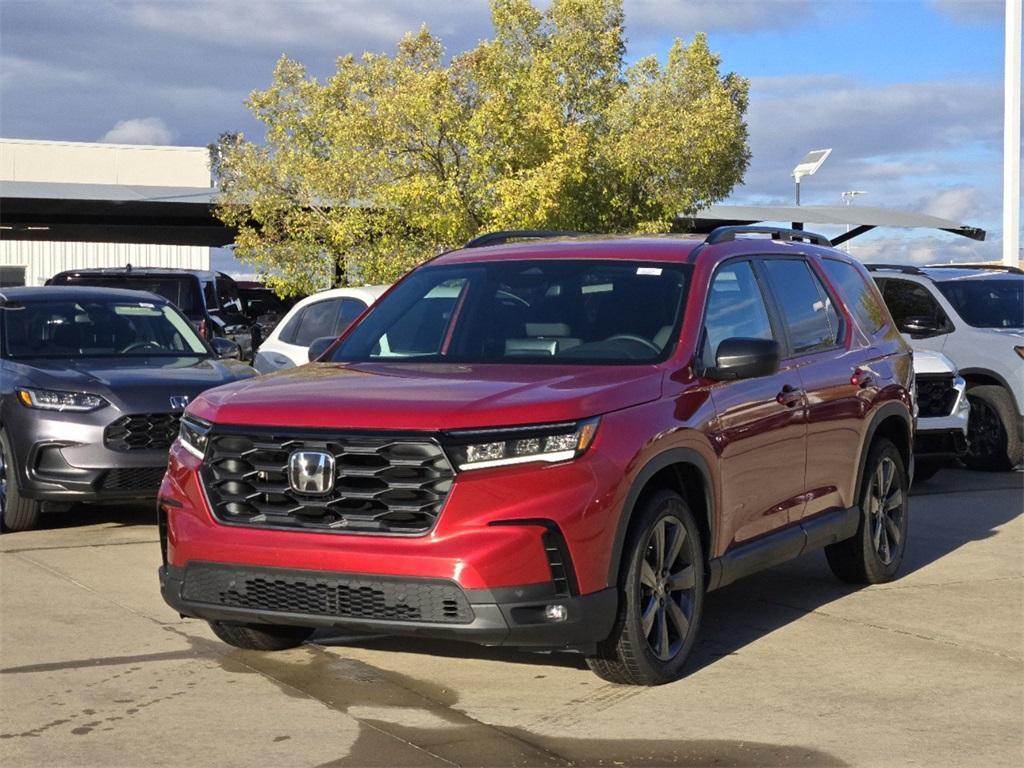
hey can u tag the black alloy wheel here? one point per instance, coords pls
(667, 586)
(661, 595)
(986, 436)
(885, 508)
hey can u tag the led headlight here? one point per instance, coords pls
(480, 449)
(194, 436)
(55, 400)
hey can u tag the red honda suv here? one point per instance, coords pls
(556, 443)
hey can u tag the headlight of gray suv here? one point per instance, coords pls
(56, 400)
(194, 436)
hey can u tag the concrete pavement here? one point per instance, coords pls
(793, 668)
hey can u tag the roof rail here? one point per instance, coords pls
(906, 269)
(998, 267)
(497, 238)
(728, 234)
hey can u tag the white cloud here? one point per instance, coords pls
(681, 18)
(983, 11)
(957, 204)
(139, 130)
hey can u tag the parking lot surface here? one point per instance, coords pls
(792, 667)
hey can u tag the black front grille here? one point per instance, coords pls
(936, 395)
(133, 479)
(142, 431)
(325, 594)
(381, 485)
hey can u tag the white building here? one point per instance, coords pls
(82, 171)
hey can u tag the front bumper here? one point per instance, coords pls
(939, 444)
(62, 457)
(436, 608)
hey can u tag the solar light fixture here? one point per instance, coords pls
(810, 163)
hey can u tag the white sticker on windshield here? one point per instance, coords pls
(648, 270)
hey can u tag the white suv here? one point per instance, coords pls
(974, 316)
(327, 313)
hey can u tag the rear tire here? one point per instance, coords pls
(16, 512)
(261, 637)
(875, 553)
(993, 442)
(661, 596)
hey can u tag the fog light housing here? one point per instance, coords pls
(556, 613)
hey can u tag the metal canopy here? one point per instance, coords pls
(860, 218)
(110, 213)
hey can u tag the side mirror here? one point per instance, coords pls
(921, 326)
(226, 349)
(739, 358)
(319, 346)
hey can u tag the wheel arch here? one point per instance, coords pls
(683, 470)
(891, 421)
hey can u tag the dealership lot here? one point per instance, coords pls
(793, 668)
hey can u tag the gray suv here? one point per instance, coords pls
(92, 384)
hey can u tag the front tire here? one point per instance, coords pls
(261, 637)
(16, 512)
(993, 444)
(875, 553)
(661, 596)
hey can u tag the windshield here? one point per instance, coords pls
(556, 311)
(182, 291)
(96, 328)
(996, 303)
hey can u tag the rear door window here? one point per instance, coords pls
(857, 294)
(811, 320)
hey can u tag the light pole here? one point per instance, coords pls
(1011, 135)
(808, 166)
(847, 198)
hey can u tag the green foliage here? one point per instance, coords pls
(394, 158)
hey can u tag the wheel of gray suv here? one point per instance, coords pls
(875, 553)
(16, 512)
(993, 444)
(260, 637)
(661, 596)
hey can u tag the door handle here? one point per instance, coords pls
(789, 396)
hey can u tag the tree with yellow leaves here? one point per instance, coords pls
(395, 158)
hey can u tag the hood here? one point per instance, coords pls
(428, 397)
(932, 362)
(134, 385)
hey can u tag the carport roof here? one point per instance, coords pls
(861, 218)
(110, 213)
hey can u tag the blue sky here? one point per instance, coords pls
(907, 92)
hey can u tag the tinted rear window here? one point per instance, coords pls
(857, 294)
(182, 292)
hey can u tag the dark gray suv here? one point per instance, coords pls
(92, 384)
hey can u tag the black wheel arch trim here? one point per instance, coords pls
(665, 459)
(885, 411)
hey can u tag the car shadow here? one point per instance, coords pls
(942, 521)
(118, 514)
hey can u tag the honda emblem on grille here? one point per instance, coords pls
(178, 402)
(311, 472)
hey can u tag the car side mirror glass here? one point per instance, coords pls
(921, 326)
(319, 346)
(741, 358)
(226, 349)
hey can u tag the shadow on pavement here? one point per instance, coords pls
(117, 514)
(760, 604)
